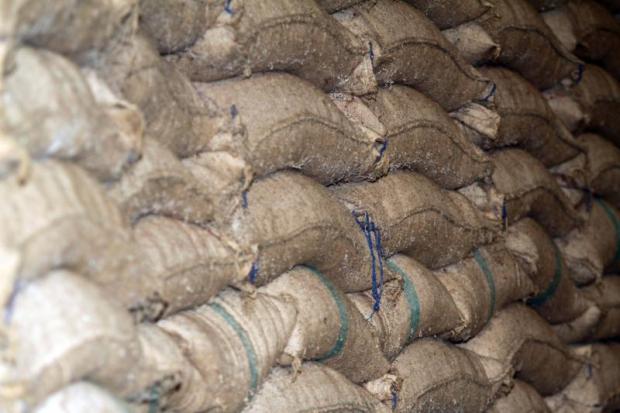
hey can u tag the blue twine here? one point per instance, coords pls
(10, 305)
(371, 53)
(244, 199)
(369, 228)
(233, 111)
(379, 249)
(253, 274)
(491, 93)
(504, 215)
(227, 7)
(394, 399)
(580, 70)
(384, 146)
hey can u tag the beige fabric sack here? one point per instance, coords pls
(482, 285)
(53, 340)
(414, 304)
(450, 13)
(594, 249)
(49, 108)
(295, 126)
(473, 43)
(294, 220)
(556, 299)
(81, 397)
(414, 216)
(527, 120)
(232, 342)
(407, 48)
(316, 388)
(518, 340)
(579, 329)
(329, 328)
(518, 29)
(606, 296)
(294, 36)
(522, 398)
(604, 163)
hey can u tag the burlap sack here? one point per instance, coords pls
(407, 48)
(473, 43)
(422, 137)
(579, 329)
(450, 13)
(566, 108)
(62, 328)
(438, 377)
(521, 186)
(329, 328)
(593, 249)
(177, 266)
(70, 27)
(527, 120)
(573, 177)
(597, 386)
(160, 184)
(560, 22)
(606, 296)
(604, 162)
(482, 285)
(50, 110)
(556, 299)
(294, 220)
(522, 398)
(81, 397)
(295, 126)
(294, 36)
(175, 114)
(435, 226)
(59, 218)
(518, 340)
(315, 388)
(232, 342)
(413, 305)
(518, 29)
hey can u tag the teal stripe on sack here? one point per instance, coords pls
(412, 298)
(616, 223)
(484, 266)
(342, 314)
(543, 297)
(245, 340)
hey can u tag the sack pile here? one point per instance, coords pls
(309, 206)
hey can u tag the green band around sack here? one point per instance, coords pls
(546, 295)
(616, 223)
(412, 298)
(245, 341)
(484, 266)
(342, 313)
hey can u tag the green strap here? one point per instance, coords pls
(412, 298)
(546, 295)
(616, 223)
(342, 313)
(154, 399)
(484, 266)
(245, 340)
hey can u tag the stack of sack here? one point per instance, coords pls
(309, 205)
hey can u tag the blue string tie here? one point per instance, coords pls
(369, 229)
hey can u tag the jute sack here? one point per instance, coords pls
(522, 398)
(414, 216)
(604, 162)
(599, 96)
(556, 299)
(176, 266)
(83, 396)
(561, 24)
(450, 13)
(294, 220)
(594, 249)
(175, 114)
(566, 108)
(579, 329)
(70, 27)
(573, 177)
(62, 328)
(294, 36)
(527, 120)
(295, 126)
(518, 29)
(59, 218)
(329, 328)
(433, 376)
(50, 110)
(518, 340)
(314, 388)
(159, 184)
(596, 388)
(482, 285)
(606, 296)
(407, 48)
(232, 342)
(473, 43)
(415, 304)
(332, 6)
(521, 186)
(422, 137)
